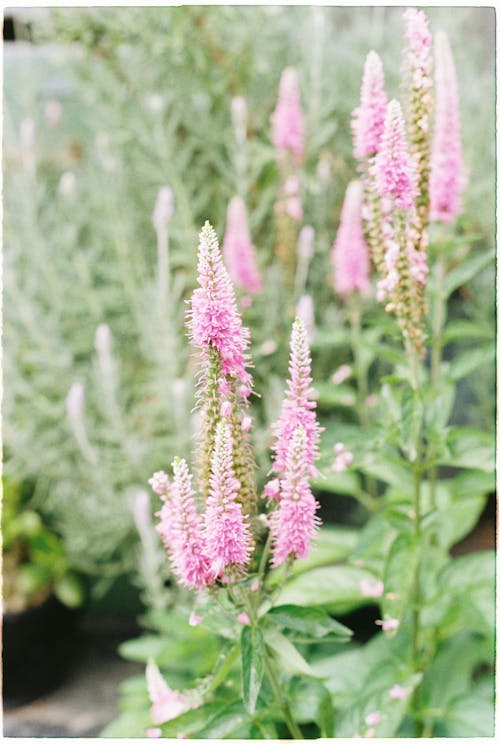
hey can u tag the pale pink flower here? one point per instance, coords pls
(343, 458)
(166, 703)
(419, 44)
(398, 693)
(239, 251)
(341, 374)
(214, 320)
(371, 588)
(294, 523)
(272, 489)
(246, 423)
(153, 733)
(226, 409)
(293, 206)
(194, 619)
(305, 311)
(243, 618)
(388, 624)
(160, 483)
(394, 172)
(297, 408)
(368, 119)
(373, 719)
(180, 529)
(446, 176)
(227, 534)
(350, 256)
(287, 120)
(254, 585)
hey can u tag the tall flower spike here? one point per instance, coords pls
(227, 534)
(418, 64)
(294, 523)
(239, 252)
(368, 119)
(394, 173)
(180, 529)
(298, 407)
(349, 256)
(288, 119)
(446, 163)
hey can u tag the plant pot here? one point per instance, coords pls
(40, 645)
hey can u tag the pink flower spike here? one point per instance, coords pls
(166, 703)
(153, 733)
(341, 374)
(246, 423)
(371, 588)
(368, 119)
(227, 534)
(287, 120)
(293, 525)
(297, 408)
(243, 618)
(239, 252)
(180, 530)
(160, 483)
(194, 619)
(214, 320)
(272, 489)
(394, 172)
(373, 719)
(350, 257)
(446, 178)
(398, 693)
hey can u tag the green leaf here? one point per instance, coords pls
(347, 482)
(310, 622)
(290, 660)
(399, 574)
(471, 580)
(471, 715)
(332, 396)
(410, 422)
(227, 723)
(69, 591)
(312, 703)
(459, 329)
(130, 723)
(468, 361)
(336, 588)
(252, 665)
(470, 448)
(193, 721)
(466, 270)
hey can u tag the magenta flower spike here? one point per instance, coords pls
(368, 118)
(446, 162)
(297, 408)
(239, 252)
(394, 173)
(227, 533)
(287, 120)
(350, 256)
(294, 523)
(214, 319)
(180, 529)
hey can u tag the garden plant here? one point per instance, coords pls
(350, 362)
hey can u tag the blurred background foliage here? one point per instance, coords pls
(145, 101)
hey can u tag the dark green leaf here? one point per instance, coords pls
(311, 622)
(252, 665)
(290, 660)
(194, 720)
(312, 703)
(336, 588)
(230, 722)
(399, 574)
(470, 448)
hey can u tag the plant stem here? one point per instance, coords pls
(439, 316)
(283, 703)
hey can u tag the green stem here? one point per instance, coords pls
(438, 320)
(283, 703)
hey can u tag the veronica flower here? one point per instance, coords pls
(288, 119)
(294, 523)
(298, 406)
(349, 256)
(368, 118)
(226, 530)
(239, 252)
(180, 529)
(394, 172)
(446, 163)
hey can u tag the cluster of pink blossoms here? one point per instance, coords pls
(239, 251)
(349, 256)
(216, 543)
(368, 119)
(287, 119)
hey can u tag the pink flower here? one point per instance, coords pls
(272, 489)
(297, 408)
(419, 39)
(164, 207)
(368, 119)
(194, 619)
(394, 173)
(373, 719)
(446, 162)
(254, 585)
(293, 206)
(246, 423)
(180, 530)
(371, 588)
(153, 733)
(388, 624)
(166, 703)
(350, 257)
(243, 618)
(239, 252)
(305, 311)
(214, 319)
(343, 458)
(287, 120)
(293, 525)
(341, 374)
(225, 409)
(227, 534)
(159, 483)
(398, 693)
